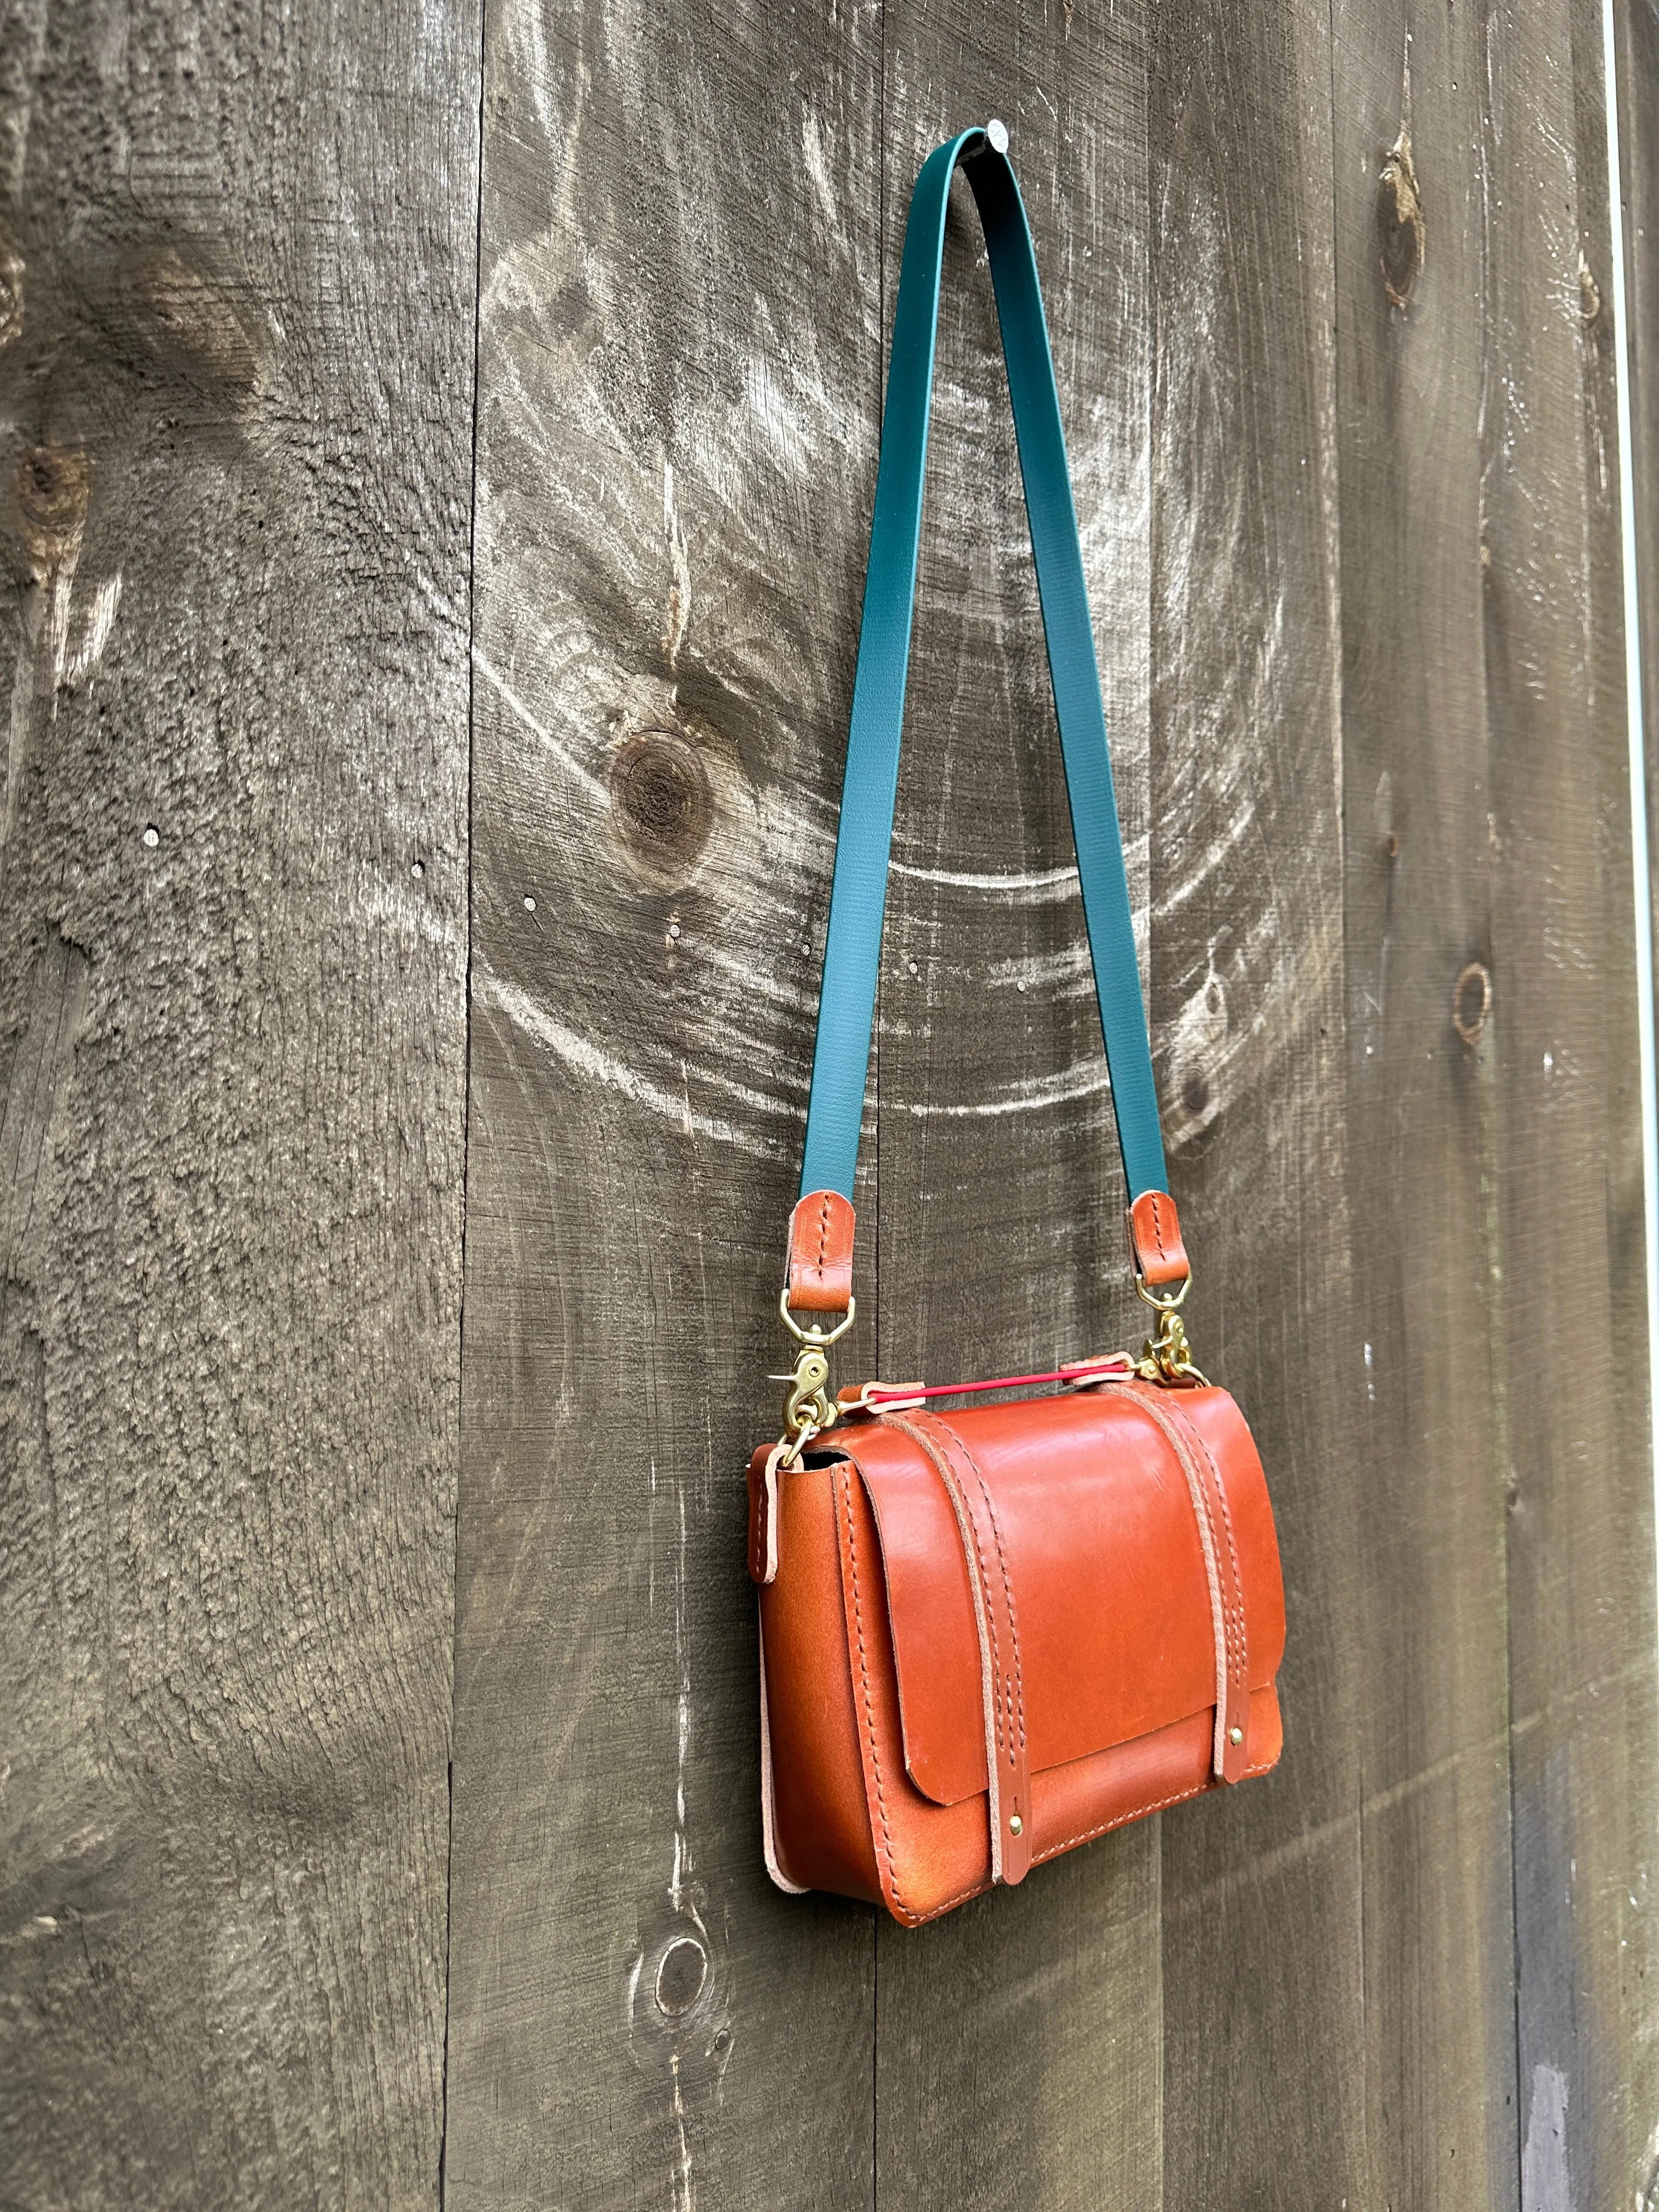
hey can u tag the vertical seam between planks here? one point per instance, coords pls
(466, 1067)
(1492, 1132)
(1338, 342)
(1634, 710)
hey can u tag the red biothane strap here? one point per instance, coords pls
(820, 1277)
(890, 1397)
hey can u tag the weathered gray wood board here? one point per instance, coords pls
(1430, 1722)
(1580, 1550)
(235, 369)
(1302, 273)
(998, 1172)
(1302, 637)
(679, 366)
(1638, 33)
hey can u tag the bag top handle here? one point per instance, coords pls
(820, 1278)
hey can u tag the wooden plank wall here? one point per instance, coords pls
(238, 254)
(1332, 323)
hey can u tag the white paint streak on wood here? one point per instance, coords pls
(678, 619)
(41, 666)
(1038, 1094)
(594, 1064)
(831, 208)
(1545, 2183)
(769, 410)
(676, 1886)
(1018, 885)
(100, 620)
(683, 2197)
(498, 683)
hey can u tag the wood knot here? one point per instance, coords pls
(1471, 1001)
(1400, 231)
(52, 486)
(662, 800)
(11, 294)
(681, 1973)
(1590, 293)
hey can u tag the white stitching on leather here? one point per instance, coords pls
(1236, 1611)
(1201, 1504)
(843, 1483)
(988, 1668)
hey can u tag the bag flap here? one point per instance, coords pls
(1101, 1547)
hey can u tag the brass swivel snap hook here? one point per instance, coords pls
(808, 1408)
(1166, 1356)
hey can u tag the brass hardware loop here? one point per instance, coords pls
(808, 1408)
(1166, 1356)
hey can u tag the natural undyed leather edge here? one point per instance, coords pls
(768, 1803)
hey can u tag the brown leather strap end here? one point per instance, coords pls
(820, 1253)
(1155, 1245)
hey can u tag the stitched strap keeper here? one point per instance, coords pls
(821, 1253)
(1155, 1245)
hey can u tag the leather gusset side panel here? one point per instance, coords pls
(1108, 1569)
(923, 1858)
(821, 1828)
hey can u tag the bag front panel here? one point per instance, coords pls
(1095, 1527)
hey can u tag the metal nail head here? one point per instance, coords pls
(1015, 1826)
(997, 131)
(1235, 1736)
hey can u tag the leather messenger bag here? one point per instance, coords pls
(992, 1633)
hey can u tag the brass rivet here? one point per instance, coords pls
(1015, 1826)
(1235, 1735)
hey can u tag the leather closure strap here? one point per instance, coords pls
(1231, 1751)
(996, 1616)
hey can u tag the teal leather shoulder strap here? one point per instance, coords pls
(858, 896)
